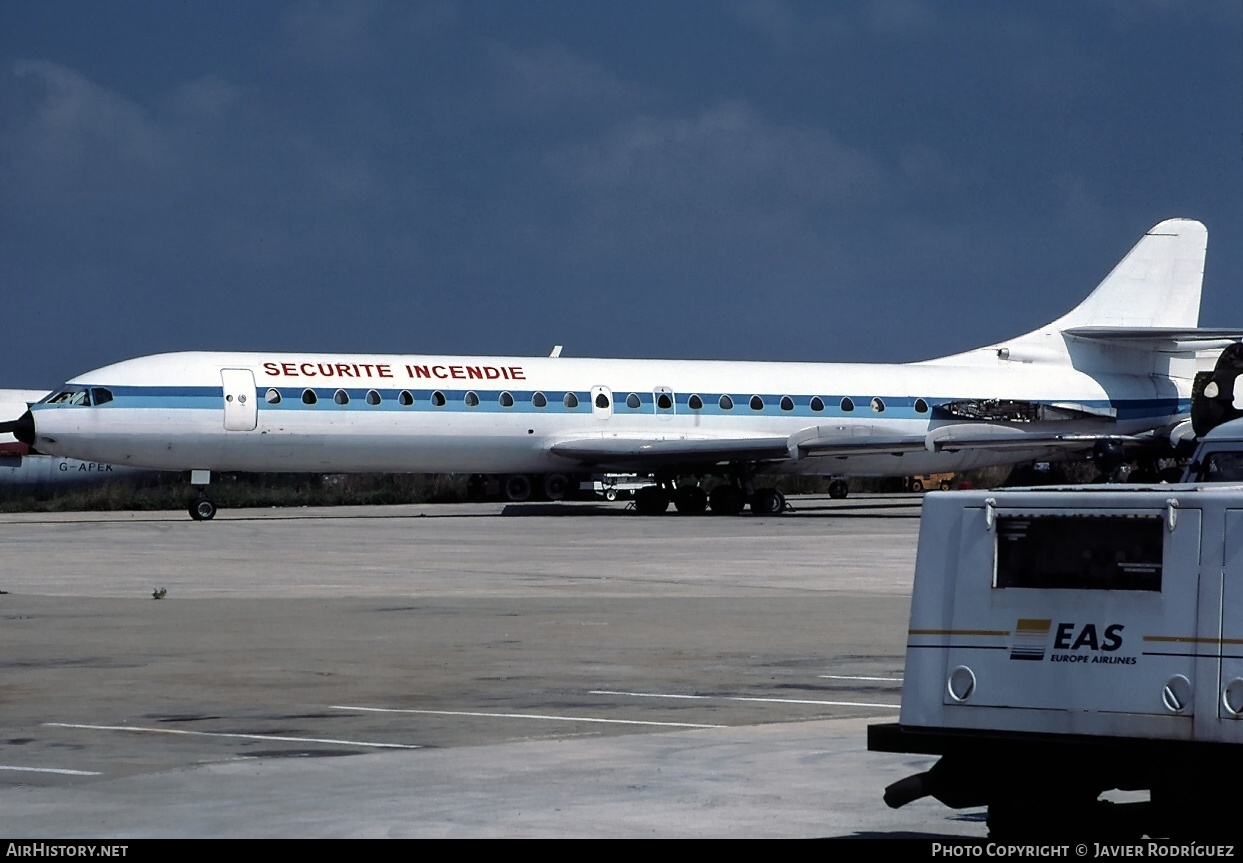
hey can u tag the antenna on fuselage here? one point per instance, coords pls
(556, 351)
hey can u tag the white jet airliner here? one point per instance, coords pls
(1119, 365)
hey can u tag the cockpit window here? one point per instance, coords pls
(100, 396)
(70, 397)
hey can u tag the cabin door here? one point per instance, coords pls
(240, 411)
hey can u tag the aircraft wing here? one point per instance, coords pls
(642, 454)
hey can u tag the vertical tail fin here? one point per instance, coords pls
(1156, 285)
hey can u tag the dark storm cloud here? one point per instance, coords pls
(769, 180)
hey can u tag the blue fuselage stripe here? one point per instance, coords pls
(291, 399)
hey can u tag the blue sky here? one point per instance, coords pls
(775, 180)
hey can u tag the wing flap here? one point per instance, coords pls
(852, 440)
(1005, 438)
(657, 452)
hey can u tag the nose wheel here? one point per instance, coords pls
(202, 510)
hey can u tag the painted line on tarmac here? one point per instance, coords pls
(853, 677)
(745, 698)
(275, 737)
(65, 771)
(527, 716)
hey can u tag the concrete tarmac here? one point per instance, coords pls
(475, 670)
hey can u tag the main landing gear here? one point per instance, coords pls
(730, 498)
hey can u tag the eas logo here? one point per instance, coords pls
(1031, 639)
(1071, 637)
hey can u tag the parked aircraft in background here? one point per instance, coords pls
(1115, 370)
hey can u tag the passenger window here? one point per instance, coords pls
(472, 400)
(539, 400)
(921, 406)
(847, 404)
(695, 403)
(602, 401)
(726, 403)
(570, 401)
(787, 403)
(757, 403)
(272, 396)
(373, 397)
(309, 397)
(878, 406)
(506, 400)
(341, 397)
(664, 402)
(405, 399)
(817, 404)
(438, 399)
(632, 402)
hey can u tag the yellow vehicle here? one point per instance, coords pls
(925, 481)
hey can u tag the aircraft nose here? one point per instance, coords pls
(22, 428)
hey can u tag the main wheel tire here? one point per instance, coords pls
(556, 486)
(517, 487)
(651, 500)
(476, 487)
(726, 500)
(202, 510)
(767, 501)
(690, 500)
(838, 489)
(916, 486)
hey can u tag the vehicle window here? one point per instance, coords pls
(848, 404)
(726, 403)
(471, 400)
(1106, 552)
(506, 400)
(602, 401)
(921, 406)
(309, 397)
(100, 396)
(663, 401)
(695, 403)
(787, 403)
(570, 401)
(1222, 466)
(373, 397)
(438, 399)
(878, 406)
(539, 400)
(272, 396)
(817, 404)
(632, 402)
(341, 397)
(405, 398)
(757, 403)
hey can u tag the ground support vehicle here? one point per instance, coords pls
(1066, 641)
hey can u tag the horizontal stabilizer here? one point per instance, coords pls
(1168, 338)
